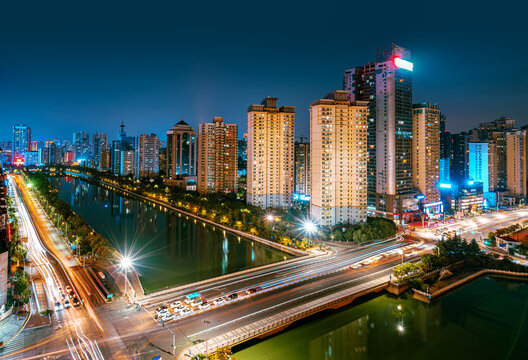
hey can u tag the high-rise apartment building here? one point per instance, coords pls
(387, 86)
(270, 152)
(99, 144)
(116, 157)
(127, 162)
(217, 156)
(516, 153)
(147, 164)
(33, 145)
(81, 146)
(181, 156)
(338, 135)
(482, 165)
(426, 150)
(21, 140)
(302, 168)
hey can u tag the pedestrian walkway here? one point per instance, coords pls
(10, 327)
(40, 295)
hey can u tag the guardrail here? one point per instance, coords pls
(457, 283)
(286, 317)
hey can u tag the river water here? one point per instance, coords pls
(170, 249)
(487, 319)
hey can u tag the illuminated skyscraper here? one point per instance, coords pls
(516, 153)
(217, 156)
(147, 156)
(270, 152)
(482, 165)
(99, 144)
(387, 86)
(302, 168)
(81, 146)
(21, 140)
(426, 150)
(181, 156)
(338, 135)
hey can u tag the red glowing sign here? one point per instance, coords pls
(403, 64)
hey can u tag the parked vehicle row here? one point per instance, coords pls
(194, 302)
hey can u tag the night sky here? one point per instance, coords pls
(66, 67)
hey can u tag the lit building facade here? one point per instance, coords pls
(270, 153)
(516, 153)
(181, 156)
(147, 164)
(81, 146)
(387, 86)
(217, 156)
(338, 134)
(21, 140)
(426, 151)
(99, 144)
(302, 169)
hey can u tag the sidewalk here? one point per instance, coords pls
(10, 327)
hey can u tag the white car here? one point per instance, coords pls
(204, 305)
(179, 308)
(167, 317)
(196, 302)
(176, 304)
(355, 266)
(185, 312)
(219, 301)
(162, 312)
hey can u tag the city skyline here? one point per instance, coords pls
(153, 73)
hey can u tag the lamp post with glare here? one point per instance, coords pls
(126, 263)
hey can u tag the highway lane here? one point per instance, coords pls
(276, 276)
(235, 315)
(72, 323)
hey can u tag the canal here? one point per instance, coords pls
(170, 248)
(487, 319)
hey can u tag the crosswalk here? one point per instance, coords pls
(16, 344)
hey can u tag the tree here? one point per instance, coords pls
(18, 253)
(428, 262)
(22, 288)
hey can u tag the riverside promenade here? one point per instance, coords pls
(428, 297)
(167, 205)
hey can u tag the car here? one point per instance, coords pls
(66, 304)
(355, 266)
(68, 288)
(251, 291)
(178, 308)
(163, 307)
(162, 312)
(176, 304)
(204, 305)
(167, 317)
(219, 301)
(63, 295)
(185, 312)
(232, 296)
(196, 302)
(58, 306)
(76, 302)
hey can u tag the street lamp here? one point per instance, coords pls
(126, 263)
(269, 217)
(401, 252)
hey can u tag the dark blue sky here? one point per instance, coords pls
(66, 67)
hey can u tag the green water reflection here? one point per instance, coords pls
(173, 250)
(484, 320)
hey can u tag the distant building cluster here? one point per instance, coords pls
(371, 152)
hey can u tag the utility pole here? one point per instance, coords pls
(206, 322)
